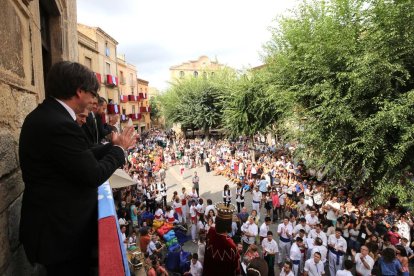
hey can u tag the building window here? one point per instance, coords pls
(181, 74)
(108, 68)
(195, 74)
(107, 50)
(122, 77)
(123, 111)
(88, 62)
(133, 109)
(131, 82)
(132, 90)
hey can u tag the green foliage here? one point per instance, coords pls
(249, 106)
(196, 103)
(154, 104)
(347, 67)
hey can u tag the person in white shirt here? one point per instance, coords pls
(209, 207)
(184, 206)
(239, 197)
(347, 271)
(314, 266)
(284, 230)
(287, 269)
(337, 246)
(296, 255)
(200, 207)
(178, 209)
(332, 207)
(162, 188)
(264, 228)
(193, 215)
(226, 195)
(159, 214)
(319, 247)
(318, 233)
(364, 262)
(256, 199)
(196, 269)
(302, 225)
(270, 249)
(312, 219)
(250, 230)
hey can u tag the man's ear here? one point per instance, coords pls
(78, 92)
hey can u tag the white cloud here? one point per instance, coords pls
(155, 35)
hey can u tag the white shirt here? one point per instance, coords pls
(263, 230)
(343, 272)
(68, 108)
(270, 246)
(193, 211)
(299, 227)
(238, 197)
(252, 229)
(283, 273)
(257, 196)
(311, 220)
(196, 269)
(163, 189)
(314, 269)
(295, 253)
(283, 230)
(208, 208)
(321, 249)
(339, 244)
(226, 195)
(313, 234)
(360, 268)
(331, 214)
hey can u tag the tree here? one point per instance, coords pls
(249, 107)
(349, 65)
(195, 103)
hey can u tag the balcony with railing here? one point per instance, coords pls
(113, 109)
(123, 98)
(111, 80)
(143, 109)
(142, 96)
(135, 116)
(98, 77)
(133, 98)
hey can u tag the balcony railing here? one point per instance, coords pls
(123, 98)
(135, 116)
(98, 77)
(113, 109)
(111, 80)
(133, 98)
(145, 109)
(142, 96)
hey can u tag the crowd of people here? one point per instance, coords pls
(321, 226)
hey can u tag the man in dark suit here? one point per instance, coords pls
(58, 226)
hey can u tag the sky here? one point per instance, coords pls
(157, 34)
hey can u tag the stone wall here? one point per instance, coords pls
(21, 89)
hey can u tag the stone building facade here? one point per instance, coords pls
(128, 92)
(106, 70)
(144, 106)
(34, 35)
(202, 67)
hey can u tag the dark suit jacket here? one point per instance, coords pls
(61, 176)
(95, 132)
